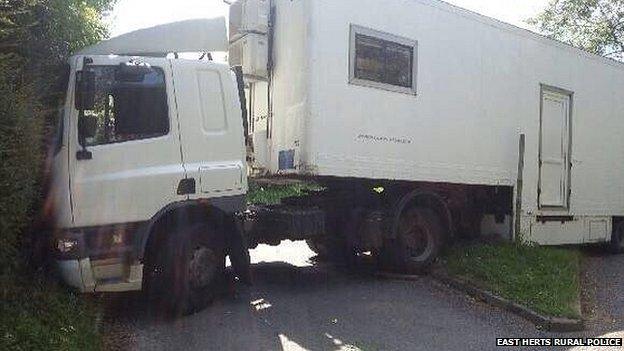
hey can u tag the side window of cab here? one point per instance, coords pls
(128, 106)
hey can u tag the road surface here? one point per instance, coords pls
(297, 304)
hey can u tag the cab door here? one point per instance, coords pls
(211, 128)
(131, 166)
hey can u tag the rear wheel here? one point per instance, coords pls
(616, 245)
(418, 241)
(190, 270)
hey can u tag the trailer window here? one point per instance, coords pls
(382, 60)
(129, 110)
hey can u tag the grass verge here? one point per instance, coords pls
(273, 194)
(545, 279)
(37, 314)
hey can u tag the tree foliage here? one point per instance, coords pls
(593, 25)
(36, 37)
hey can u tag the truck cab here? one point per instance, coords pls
(144, 142)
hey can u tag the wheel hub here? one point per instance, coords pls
(203, 267)
(416, 236)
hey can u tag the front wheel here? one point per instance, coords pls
(193, 264)
(417, 242)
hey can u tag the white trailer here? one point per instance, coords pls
(423, 121)
(459, 90)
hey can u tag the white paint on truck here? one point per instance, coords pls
(480, 83)
(361, 91)
(194, 132)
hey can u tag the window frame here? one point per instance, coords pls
(162, 71)
(354, 31)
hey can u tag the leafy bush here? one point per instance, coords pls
(20, 157)
(37, 36)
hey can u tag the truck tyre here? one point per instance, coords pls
(192, 265)
(417, 243)
(616, 246)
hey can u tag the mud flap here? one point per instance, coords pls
(239, 253)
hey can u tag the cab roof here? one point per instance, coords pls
(196, 35)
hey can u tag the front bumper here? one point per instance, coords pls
(100, 276)
(105, 258)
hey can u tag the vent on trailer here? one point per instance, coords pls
(249, 38)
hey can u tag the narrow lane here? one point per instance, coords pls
(297, 304)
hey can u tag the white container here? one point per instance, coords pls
(252, 53)
(249, 16)
(478, 84)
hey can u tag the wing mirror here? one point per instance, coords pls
(87, 127)
(85, 90)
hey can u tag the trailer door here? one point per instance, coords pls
(554, 155)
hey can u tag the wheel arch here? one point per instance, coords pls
(187, 212)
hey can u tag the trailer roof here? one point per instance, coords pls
(441, 4)
(196, 35)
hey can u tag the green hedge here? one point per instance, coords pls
(20, 157)
(37, 36)
(35, 313)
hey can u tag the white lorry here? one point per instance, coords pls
(424, 122)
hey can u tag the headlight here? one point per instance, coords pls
(66, 245)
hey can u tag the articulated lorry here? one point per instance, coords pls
(423, 123)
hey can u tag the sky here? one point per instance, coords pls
(130, 15)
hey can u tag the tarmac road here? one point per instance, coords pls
(296, 304)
